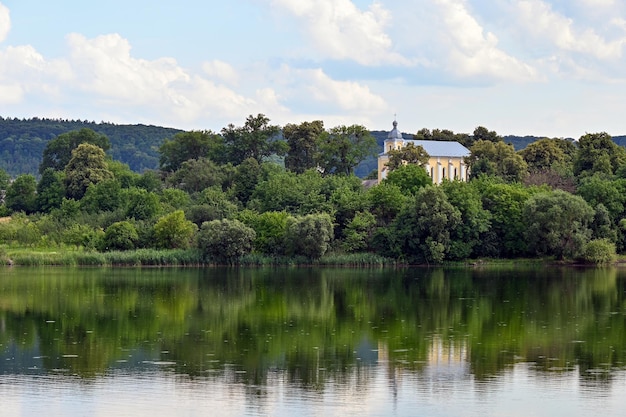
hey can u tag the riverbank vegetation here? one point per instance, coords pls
(260, 194)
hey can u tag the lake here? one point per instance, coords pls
(496, 341)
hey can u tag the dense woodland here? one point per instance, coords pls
(264, 192)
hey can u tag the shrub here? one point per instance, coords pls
(598, 251)
(225, 240)
(120, 235)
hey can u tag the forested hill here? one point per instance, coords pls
(22, 142)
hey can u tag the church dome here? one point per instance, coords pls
(395, 134)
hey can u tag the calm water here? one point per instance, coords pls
(312, 342)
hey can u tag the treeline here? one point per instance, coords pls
(22, 142)
(249, 191)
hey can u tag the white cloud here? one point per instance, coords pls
(315, 85)
(221, 70)
(5, 22)
(474, 52)
(542, 22)
(340, 30)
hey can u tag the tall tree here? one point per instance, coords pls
(496, 158)
(190, 145)
(303, 143)
(50, 190)
(58, 151)
(257, 139)
(87, 166)
(597, 153)
(343, 147)
(20, 195)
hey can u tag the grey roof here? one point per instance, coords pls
(395, 133)
(441, 148)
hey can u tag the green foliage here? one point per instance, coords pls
(189, 145)
(303, 140)
(5, 179)
(225, 240)
(423, 227)
(270, 228)
(20, 195)
(140, 204)
(291, 192)
(597, 153)
(545, 154)
(409, 178)
(309, 235)
(359, 232)
(496, 158)
(86, 167)
(195, 175)
(246, 178)
(409, 154)
(122, 173)
(105, 195)
(174, 198)
(120, 236)
(597, 189)
(83, 235)
(475, 220)
(50, 190)
(558, 223)
(598, 252)
(173, 231)
(386, 200)
(255, 139)
(59, 151)
(506, 203)
(343, 147)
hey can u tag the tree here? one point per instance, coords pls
(386, 201)
(309, 235)
(103, 196)
(597, 153)
(58, 151)
(5, 179)
(225, 240)
(558, 223)
(343, 147)
(195, 175)
(505, 202)
(423, 227)
(482, 133)
(359, 232)
(409, 178)
(303, 145)
(173, 231)
(496, 158)
(87, 166)
(20, 195)
(245, 180)
(50, 190)
(120, 236)
(475, 220)
(189, 145)
(542, 154)
(255, 139)
(409, 154)
(270, 228)
(141, 204)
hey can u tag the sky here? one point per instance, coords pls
(553, 68)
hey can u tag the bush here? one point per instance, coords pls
(225, 240)
(173, 231)
(598, 251)
(309, 235)
(121, 236)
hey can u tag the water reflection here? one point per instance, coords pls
(357, 341)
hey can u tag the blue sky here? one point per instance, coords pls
(551, 68)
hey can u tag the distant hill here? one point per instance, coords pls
(22, 142)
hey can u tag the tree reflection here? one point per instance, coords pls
(313, 326)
